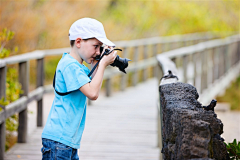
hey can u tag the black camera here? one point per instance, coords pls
(121, 63)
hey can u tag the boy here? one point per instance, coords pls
(65, 124)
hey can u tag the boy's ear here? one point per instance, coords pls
(78, 42)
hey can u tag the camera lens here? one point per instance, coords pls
(121, 63)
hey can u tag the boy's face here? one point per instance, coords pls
(89, 49)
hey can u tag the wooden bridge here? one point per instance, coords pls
(123, 125)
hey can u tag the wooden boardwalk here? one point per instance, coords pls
(121, 127)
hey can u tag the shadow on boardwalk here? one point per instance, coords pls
(121, 127)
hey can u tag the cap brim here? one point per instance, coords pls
(106, 42)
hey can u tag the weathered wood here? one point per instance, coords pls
(185, 64)
(123, 78)
(36, 94)
(25, 57)
(194, 68)
(3, 71)
(40, 83)
(164, 40)
(135, 72)
(203, 63)
(16, 106)
(108, 87)
(23, 79)
(2, 139)
(145, 56)
(210, 66)
(155, 52)
(112, 137)
(2, 63)
(215, 63)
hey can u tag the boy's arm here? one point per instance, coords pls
(91, 90)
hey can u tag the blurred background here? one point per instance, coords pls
(44, 24)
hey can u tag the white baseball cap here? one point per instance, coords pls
(89, 28)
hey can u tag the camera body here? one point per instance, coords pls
(121, 63)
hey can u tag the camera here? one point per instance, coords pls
(121, 63)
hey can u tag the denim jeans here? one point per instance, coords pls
(53, 150)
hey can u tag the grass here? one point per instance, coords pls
(232, 95)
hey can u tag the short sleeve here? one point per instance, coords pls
(75, 77)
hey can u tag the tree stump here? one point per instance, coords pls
(189, 131)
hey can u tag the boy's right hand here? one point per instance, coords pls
(108, 59)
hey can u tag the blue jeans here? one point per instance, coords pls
(53, 150)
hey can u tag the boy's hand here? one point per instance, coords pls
(108, 59)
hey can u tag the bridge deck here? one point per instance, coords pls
(121, 127)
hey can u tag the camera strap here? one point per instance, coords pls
(105, 53)
(66, 93)
(59, 93)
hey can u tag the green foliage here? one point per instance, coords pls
(233, 149)
(232, 95)
(13, 87)
(5, 36)
(161, 18)
(50, 68)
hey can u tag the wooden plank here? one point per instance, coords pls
(121, 131)
(145, 56)
(40, 83)
(123, 79)
(135, 60)
(24, 57)
(155, 51)
(23, 79)
(185, 60)
(108, 87)
(2, 63)
(3, 72)
(16, 106)
(35, 94)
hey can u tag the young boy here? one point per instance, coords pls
(65, 124)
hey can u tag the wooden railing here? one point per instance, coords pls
(157, 45)
(210, 66)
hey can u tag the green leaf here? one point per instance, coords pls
(235, 142)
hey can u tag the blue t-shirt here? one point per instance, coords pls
(66, 119)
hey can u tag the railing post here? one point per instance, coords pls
(185, 64)
(155, 47)
(210, 72)
(202, 71)
(215, 64)
(135, 59)
(225, 59)
(108, 87)
(40, 83)
(221, 56)
(145, 56)
(3, 71)
(194, 58)
(23, 79)
(123, 82)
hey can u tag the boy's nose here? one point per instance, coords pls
(98, 52)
